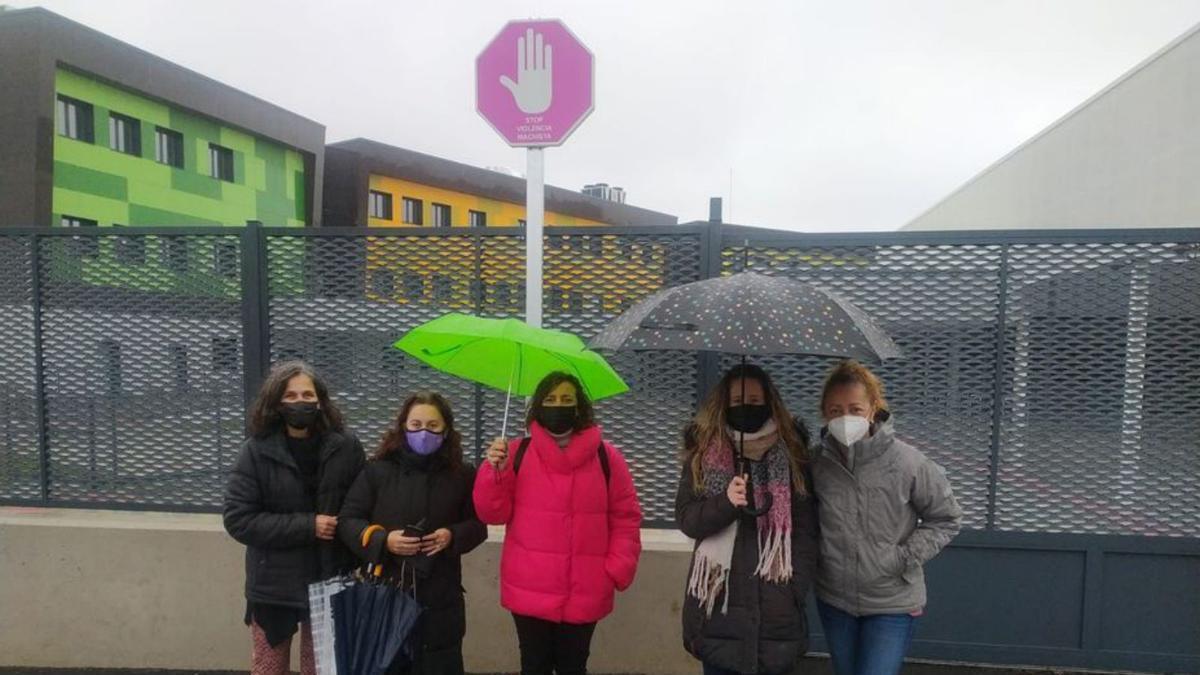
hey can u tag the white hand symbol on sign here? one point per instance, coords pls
(532, 88)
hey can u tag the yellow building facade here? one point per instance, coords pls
(382, 186)
(497, 213)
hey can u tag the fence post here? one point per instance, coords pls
(256, 327)
(478, 305)
(39, 369)
(709, 363)
(998, 389)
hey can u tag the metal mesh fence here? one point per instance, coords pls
(141, 350)
(340, 302)
(589, 281)
(20, 455)
(1054, 382)
(1101, 405)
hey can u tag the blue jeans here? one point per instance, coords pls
(866, 645)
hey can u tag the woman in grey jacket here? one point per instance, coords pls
(885, 510)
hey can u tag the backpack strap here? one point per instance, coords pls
(601, 454)
(520, 456)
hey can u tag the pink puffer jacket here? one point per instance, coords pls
(571, 539)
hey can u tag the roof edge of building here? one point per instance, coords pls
(53, 20)
(439, 172)
(1107, 89)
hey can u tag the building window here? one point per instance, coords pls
(226, 357)
(413, 211)
(383, 282)
(130, 250)
(110, 353)
(175, 253)
(74, 119)
(226, 259)
(379, 205)
(555, 298)
(441, 215)
(124, 134)
(83, 245)
(501, 294)
(179, 366)
(477, 219)
(443, 288)
(220, 162)
(414, 287)
(168, 147)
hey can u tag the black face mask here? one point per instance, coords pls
(558, 419)
(748, 418)
(299, 415)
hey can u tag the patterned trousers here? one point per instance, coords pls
(268, 660)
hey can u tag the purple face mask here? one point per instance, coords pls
(424, 442)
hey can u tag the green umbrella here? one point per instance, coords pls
(509, 355)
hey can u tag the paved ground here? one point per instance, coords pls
(818, 666)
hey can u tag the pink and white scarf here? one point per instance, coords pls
(713, 559)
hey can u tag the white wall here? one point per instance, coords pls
(1129, 157)
(107, 589)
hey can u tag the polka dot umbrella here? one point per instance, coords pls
(748, 313)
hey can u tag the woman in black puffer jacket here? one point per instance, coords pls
(282, 500)
(411, 509)
(743, 610)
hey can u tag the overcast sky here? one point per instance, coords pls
(843, 116)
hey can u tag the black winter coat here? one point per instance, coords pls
(267, 508)
(765, 629)
(399, 491)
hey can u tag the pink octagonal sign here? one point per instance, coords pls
(534, 83)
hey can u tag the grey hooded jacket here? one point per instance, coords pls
(885, 510)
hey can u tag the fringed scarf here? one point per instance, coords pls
(713, 559)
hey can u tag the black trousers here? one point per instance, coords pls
(553, 648)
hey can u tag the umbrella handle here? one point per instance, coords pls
(374, 569)
(507, 404)
(768, 501)
(768, 498)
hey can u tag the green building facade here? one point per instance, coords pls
(134, 181)
(126, 160)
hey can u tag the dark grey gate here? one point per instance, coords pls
(1055, 376)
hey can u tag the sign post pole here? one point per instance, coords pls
(534, 83)
(535, 214)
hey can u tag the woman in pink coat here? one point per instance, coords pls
(573, 520)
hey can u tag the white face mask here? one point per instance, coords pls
(849, 429)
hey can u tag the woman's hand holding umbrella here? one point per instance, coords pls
(736, 492)
(497, 452)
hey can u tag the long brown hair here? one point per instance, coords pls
(265, 418)
(709, 429)
(395, 440)
(586, 416)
